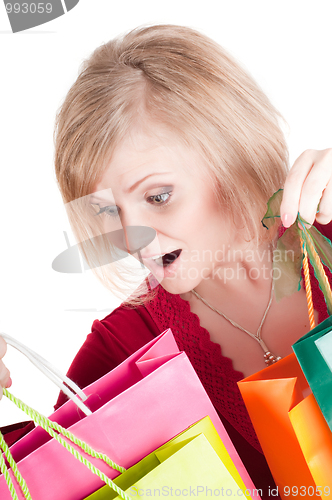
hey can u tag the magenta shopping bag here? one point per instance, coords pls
(144, 402)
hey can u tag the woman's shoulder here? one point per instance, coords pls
(153, 313)
(127, 326)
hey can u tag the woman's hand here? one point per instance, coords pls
(5, 380)
(308, 184)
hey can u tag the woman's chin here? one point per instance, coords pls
(177, 286)
(174, 278)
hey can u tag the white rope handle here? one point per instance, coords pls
(73, 392)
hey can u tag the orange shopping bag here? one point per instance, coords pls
(290, 429)
(315, 439)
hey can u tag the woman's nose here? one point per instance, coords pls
(137, 233)
(130, 217)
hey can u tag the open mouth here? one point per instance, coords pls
(167, 259)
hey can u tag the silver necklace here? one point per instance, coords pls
(269, 358)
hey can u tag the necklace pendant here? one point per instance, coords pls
(270, 358)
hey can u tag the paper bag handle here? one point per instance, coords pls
(52, 428)
(308, 242)
(62, 381)
(16, 472)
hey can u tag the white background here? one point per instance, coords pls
(285, 44)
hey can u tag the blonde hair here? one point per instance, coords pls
(180, 78)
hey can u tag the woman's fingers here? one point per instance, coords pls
(308, 185)
(324, 215)
(3, 347)
(4, 375)
(312, 190)
(293, 187)
(5, 380)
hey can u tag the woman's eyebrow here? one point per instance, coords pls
(134, 186)
(94, 199)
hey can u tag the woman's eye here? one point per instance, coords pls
(111, 210)
(159, 199)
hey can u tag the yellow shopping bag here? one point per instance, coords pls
(194, 463)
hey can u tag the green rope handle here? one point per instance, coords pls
(50, 427)
(318, 267)
(5, 471)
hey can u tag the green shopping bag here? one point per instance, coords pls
(194, 463)
(314, 353)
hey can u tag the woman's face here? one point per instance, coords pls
(153, 181)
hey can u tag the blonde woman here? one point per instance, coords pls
(163, 129)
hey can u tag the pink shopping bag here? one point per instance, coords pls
(144, 402)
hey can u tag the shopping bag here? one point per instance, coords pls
(315, 439)
(289, 426)
(269, 396)
(194, 463)
(149, 398)
(313, 352)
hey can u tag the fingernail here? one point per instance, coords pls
(9, 383)
(287, 220)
